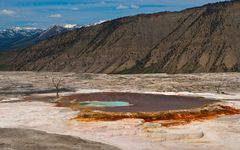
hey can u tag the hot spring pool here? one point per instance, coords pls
(104, 103)
(135, 102)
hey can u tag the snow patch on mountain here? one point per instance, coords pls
(70, 26)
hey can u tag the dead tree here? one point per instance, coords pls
(220, 86)
(57, 83)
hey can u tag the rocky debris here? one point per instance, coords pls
(21, 83)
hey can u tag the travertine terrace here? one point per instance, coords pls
(28, 101)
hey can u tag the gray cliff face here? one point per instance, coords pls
(203, 39)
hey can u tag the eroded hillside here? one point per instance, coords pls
(203, 39)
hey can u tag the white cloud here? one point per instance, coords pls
(55, 16)
(121, 6)
(75, 8)
(7, 12)
(134, 6)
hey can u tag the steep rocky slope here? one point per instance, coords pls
(203, 39)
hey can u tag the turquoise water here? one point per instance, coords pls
(104, 103)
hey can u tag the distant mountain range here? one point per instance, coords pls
(202, 39)
(23, 37)
(17, 37)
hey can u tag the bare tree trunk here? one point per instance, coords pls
(57, 92)
(57, 83)
(219, 89)
(220, 86)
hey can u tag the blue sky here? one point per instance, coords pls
(45, 13)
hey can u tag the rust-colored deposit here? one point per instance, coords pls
(170, 118)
